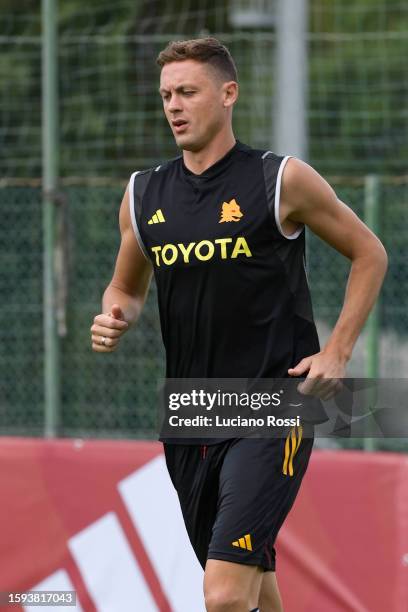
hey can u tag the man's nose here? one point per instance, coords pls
(174, 103)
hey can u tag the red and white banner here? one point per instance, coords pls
(345, 543)
(102, 518)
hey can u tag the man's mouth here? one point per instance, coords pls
(179, 125)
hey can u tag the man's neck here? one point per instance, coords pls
(198, 161)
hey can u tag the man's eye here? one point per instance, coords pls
(188, 93)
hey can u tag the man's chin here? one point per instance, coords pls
(186, 143)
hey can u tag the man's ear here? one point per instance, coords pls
(230, 93)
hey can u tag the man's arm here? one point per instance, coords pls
(125, 295)
(307, 198)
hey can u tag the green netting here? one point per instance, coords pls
(110, 114)
(116, 394)
(111, 123)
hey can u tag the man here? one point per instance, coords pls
(222, 229)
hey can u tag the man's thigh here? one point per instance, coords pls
(235, 496)
(256, 492)
(194, 471)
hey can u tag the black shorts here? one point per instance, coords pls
(235, 495)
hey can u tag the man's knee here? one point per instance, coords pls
(269, 596)
(231, 587)
(225, 600)
(269, 603)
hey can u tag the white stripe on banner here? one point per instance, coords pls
(108, 568)
(154, 508)
(59, 581)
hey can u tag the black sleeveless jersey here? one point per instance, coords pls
(233, 295)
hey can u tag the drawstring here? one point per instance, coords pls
(203, 449)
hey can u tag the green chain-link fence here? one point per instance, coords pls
(111, 124)
(116, 394)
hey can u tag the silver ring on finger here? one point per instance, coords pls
(103, 341)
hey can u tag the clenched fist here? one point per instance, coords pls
(107, 330)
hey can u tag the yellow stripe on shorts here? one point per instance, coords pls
(292, 444)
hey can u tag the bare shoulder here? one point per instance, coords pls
(125, 222)
(307, 198)
(303, 188)
(132, 269)
(126, 225)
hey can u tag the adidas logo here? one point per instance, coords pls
(158, 217)
(244, 542)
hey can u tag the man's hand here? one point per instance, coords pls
(107, 330)
(324, 373)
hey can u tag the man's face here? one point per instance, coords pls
(195, 102)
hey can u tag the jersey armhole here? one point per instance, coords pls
(131, 188)
(297, 232)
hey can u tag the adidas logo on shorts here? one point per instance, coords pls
(244, 542)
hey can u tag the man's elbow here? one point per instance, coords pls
(380, 257)
(371, 255)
